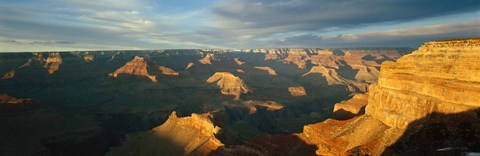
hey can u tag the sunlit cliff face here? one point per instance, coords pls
(439, 78)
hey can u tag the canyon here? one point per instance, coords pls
(102, 102)
(436, 85)
(441, 77)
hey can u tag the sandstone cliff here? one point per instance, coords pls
(167, 71)
(350, 108)
(192, 135)
(268, 69)
(138, 66)
(229, 84)
(439, 77)
(53, 62)
(297, 91)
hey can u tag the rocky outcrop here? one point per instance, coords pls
(297, 91)
(229, 84)
(268, 69)
(88, 57)
(350, 108)
(330, 74)
(334, 78)
(439, 77)
(167, 71)
(189, 65)
(334, 137)
(298, 57)
(138, 66)
(252, 105)
(207, 59)
(238, 61)
(9, 75)
(53, 62)
(191, 135)
(5, 99)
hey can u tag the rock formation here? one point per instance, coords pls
(53, 62)
(192, 135)
(268, 69)
(5, 99)
(439, 77)
(138, 66)
(238, 61)
(229, 84)
(189, 65)
(208, 59)
(9, 75)
(167, 71)
(252, 105)
(333, 78)
(297, 57)
(88, 57)
(350, 108)
(297, 91)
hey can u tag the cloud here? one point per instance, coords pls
(33, 42)
(256, 18)
(395, 37)
(149, 24)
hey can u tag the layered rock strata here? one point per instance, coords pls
(192, 135)
(229, 84)
(350, 108)
(137, 66)
(440, 77)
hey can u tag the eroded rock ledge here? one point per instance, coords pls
(191, 135)
(440, 77)
(137, 66)
(229, 84)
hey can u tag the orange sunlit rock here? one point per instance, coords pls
(137, 66)
(297, 91)
(229, 84)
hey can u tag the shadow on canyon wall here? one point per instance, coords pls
(278, 145)
(440, 134)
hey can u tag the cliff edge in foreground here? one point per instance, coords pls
(420, 91)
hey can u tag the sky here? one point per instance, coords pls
(64, 25)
